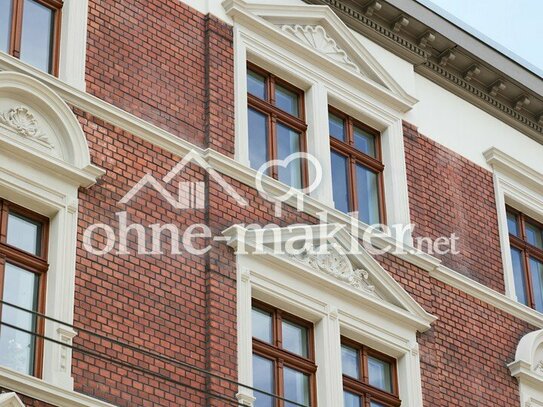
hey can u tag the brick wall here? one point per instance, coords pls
(166, 63)
(450, 194)
(172, 66)
(152, 302)
(464, 355)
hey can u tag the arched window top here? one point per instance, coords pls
(528, 369)
(530, 350)
(36, 121)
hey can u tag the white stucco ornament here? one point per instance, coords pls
(328, 260)
(22, 121)
(539, 368)
(316, 37)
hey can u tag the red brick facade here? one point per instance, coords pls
(172, 66)
(449, 194)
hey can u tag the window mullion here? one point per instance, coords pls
(364, 367)
(353, 187)
(3, 221)
(528, 276)
(273, 144)
(16, 28)
(280, 387)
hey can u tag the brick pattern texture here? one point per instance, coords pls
(170, 65)
(450, 194)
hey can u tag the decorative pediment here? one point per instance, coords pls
(329, 253)
(35, 121)
(528, 368)
(314, 31)
(10, 400)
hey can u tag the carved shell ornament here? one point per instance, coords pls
(326, 259)
(539, 368)
(22, 121)
(316, 37)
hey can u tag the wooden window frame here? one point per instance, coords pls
(275, 115)
(526, 249)
(354, 156)
(282, 357)
(17, 29)
(361, 387)
(36, 264)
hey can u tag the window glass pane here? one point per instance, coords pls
(365, 142)
(5, 24)
(536, 269)
(258, 138)
(288, 142)
(286, 100)
(534, 235)
(256, 84)
(294, 338)
(351, 400)
(512, 224)
(336, 126)
(262, 325)
(368, 195)
(24, 233)
(37, 35)
(296, 387)
(519, 276)
(16, 347)
(263, 379)
(380, 374)
(350, 363)
(340, 182)
(376, 404)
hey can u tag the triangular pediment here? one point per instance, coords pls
(10, 400)
(319, 30)
(329, 252)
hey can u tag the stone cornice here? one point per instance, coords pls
(512, 102)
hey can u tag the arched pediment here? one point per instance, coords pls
(528, 368)
(35, 120)
(530, 351)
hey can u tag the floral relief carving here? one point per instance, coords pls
(328, 260)
(539, 367)
(22, 121)
(316, 37)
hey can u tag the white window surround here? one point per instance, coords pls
(73, 43)
(528, 369)
(338, 71)
(44, 160)
(520, 187)
(377, 312)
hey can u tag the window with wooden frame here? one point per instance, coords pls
(30, 31)
(276, 125)
(357, 168)
(369, 377)
(23, 267)
(283, 358)
(526, 241)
